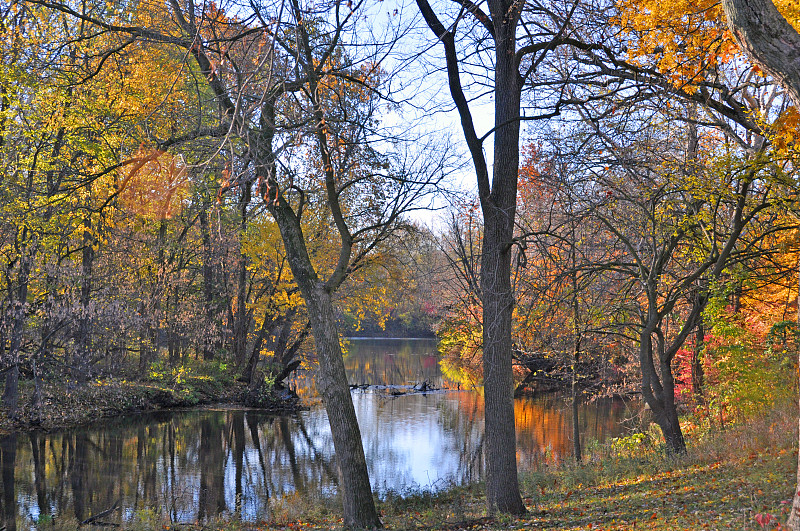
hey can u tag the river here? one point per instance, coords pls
(244, 463)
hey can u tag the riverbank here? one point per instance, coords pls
(66, 404)
(737, 478)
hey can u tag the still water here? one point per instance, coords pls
(196, 464)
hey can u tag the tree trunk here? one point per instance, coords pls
(576, 426)
(698, 376)
(499, 210)
(249, 370)
(668, 420)
(210, 342)
(659, 394)
(768, 38)
(241, 323)
(576, 344)
(151, 338)
(19, 305)
(81, 368)
(359, 506)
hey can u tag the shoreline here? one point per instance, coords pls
(66, 406)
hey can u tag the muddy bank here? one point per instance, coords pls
(65, 405)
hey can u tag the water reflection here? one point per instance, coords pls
(193, 465)
(190, 465)
(393, 362)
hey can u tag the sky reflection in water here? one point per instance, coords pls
(196, 464)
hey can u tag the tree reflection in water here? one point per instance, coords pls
(194, 465)
(8, 458)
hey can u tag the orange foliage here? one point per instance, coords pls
(684, 39)
(157, 184)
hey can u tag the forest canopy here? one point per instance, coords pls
(239, 185)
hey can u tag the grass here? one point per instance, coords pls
(727, 479)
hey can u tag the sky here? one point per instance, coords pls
(425, 107)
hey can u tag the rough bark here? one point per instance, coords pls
(359, 506)
(766, 36)
(659, 393)
(498, 206)
(499, 210)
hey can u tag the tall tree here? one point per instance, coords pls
(299, 116)
(540, 27)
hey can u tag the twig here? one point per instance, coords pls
(92, 519)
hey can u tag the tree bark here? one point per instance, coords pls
(359, 506)
(659, 393)
(698, 376)
(765, 35)
(81, 367)
(19, 304)
(498, 206)
(242, 316)
(210, 340)
(499, 211)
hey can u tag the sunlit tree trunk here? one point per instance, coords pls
(359, 507)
